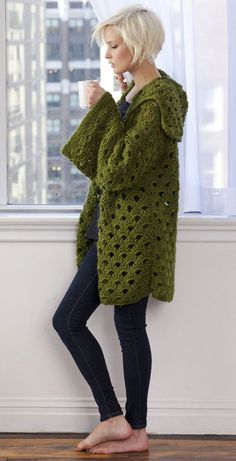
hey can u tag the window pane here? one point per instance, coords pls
(51, 5)
(53, 75)
(76, 50)
(53, 51)
(76, 4)
(46, 56)
(74, 100)
(53, 100)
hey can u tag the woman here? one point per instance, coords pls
(126, 233)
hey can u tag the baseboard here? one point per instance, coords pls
(81, 415)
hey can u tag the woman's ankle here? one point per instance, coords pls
(139, 432)
(116, 418)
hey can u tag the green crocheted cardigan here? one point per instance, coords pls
(133, 162)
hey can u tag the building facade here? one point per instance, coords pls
(48, 51)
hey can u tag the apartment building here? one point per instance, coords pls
(48, 51)
(70, 58)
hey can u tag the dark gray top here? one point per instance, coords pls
(92, 230)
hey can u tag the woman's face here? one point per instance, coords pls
(117, 52)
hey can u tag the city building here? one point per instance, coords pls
(70, 58)
(48, 51)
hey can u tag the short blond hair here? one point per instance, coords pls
(140, 28)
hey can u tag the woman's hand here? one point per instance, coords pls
(122, 84)
(94, 93)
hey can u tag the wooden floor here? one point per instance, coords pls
(59, 447)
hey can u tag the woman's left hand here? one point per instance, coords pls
(94, 93)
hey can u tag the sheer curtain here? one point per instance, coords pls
(199, 52)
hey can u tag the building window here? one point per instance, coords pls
(53, 75)
(93, 22)
(54, 150)
(93, 74)
(76, 51)
(51, 5)
(74, 122)
(54, 193)
(95, 51)
(75, 5)
(76, 24)
(53, 126)
(52, 25)
(74, 100)
(54, 170)
(53, 100)
(77, 74)
(53, 51)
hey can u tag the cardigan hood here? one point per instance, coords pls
(171, 100)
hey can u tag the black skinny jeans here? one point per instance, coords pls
(78, 304)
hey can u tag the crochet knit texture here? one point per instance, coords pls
(134, 162)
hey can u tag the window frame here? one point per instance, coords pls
(61, 211)
(5, 207)
(3, 107)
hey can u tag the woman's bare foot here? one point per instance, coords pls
(115, 428)
(138, 441)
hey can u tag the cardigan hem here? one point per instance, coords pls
(108, 301)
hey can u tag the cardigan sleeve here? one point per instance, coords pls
(115, 154)
(82, 147)
(127, 151)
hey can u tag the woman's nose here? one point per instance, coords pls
(107, 54)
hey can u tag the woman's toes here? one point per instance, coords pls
(81, 446)
(95, 450)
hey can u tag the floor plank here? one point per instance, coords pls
(162, 449)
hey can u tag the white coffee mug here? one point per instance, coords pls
(82, 87)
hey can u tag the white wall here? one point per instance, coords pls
(193, 338)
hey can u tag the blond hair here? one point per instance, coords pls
(140, 28)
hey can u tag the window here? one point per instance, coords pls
(53, 75)
(74, 100)
(76, 51)
(42, 98)
(93, 22)
(76, 5)
(14, 102)
(53, 150)
(53, 100)
(76, 25)
(53, 51)
(48, 51)
(54, 193)
(74, 122)
(52, 24)
(53, 126)
(77, 74)
(54, 169)
(53, 31)
(95, 52)
(51, 5)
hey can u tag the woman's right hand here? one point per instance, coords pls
(121, 81)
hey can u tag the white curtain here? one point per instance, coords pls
(200, 53)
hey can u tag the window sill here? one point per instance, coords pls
(61, 227)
